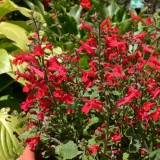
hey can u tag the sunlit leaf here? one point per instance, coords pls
(9, 144)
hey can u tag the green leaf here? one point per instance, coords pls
(9, 144)
(116, 93)
(8, 6)
(84, 62)
(124, 26)
(98, 7)
(68, 24)
(5, 65)
(15, 33)
(155, 155)
(27, 134)
(75, 12)
(92, 141)
(68, 150)
(112, 9)
(125, 156)
(92, 92)
(93, 120)
(11, 102)
(135, 143)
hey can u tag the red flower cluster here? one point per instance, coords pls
(94, 149)
(33, 141)
(86, 4)
(119, 84)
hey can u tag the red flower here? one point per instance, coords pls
(37, 71)
(87, 48)
(148, 21)
(58, 94)
(116, 136)
(148, 105)
(38, 51)
(142, 151)
(68, 98)
(86, 4)
(156, 115)
(106, 22)
(94, 148)
(29, 101)
(116, 151)
(92, 104)
(49, 46)
(54, 65)
(132, 93)
(135, 17)
(32, 141)
(40, 115)
(85, 25)
(27, 87)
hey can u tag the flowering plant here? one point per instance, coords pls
(98, 101)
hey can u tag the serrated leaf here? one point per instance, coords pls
(68, 150)
(92, 141)
(27, 134)
(125, 156)
(8, 141)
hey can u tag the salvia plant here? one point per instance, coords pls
(101, 100)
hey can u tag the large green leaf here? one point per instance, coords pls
(15, 33)
(75, 12)
(7, 6)
(112, 9)
(68, 150)
(4, 62)
(9, 144)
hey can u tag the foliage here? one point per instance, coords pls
(9, 145)
(99, 97)
(13, 38)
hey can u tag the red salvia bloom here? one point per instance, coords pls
(92, 104)
(86, 47)
(116, 136)
(85, 26)
(40, 115)
(135, 17)
(38, 51)
(148, 20)
(94, 148)
(32, 141)
(148, 105)
(132, 93)
(54, 65)
(86, 4)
